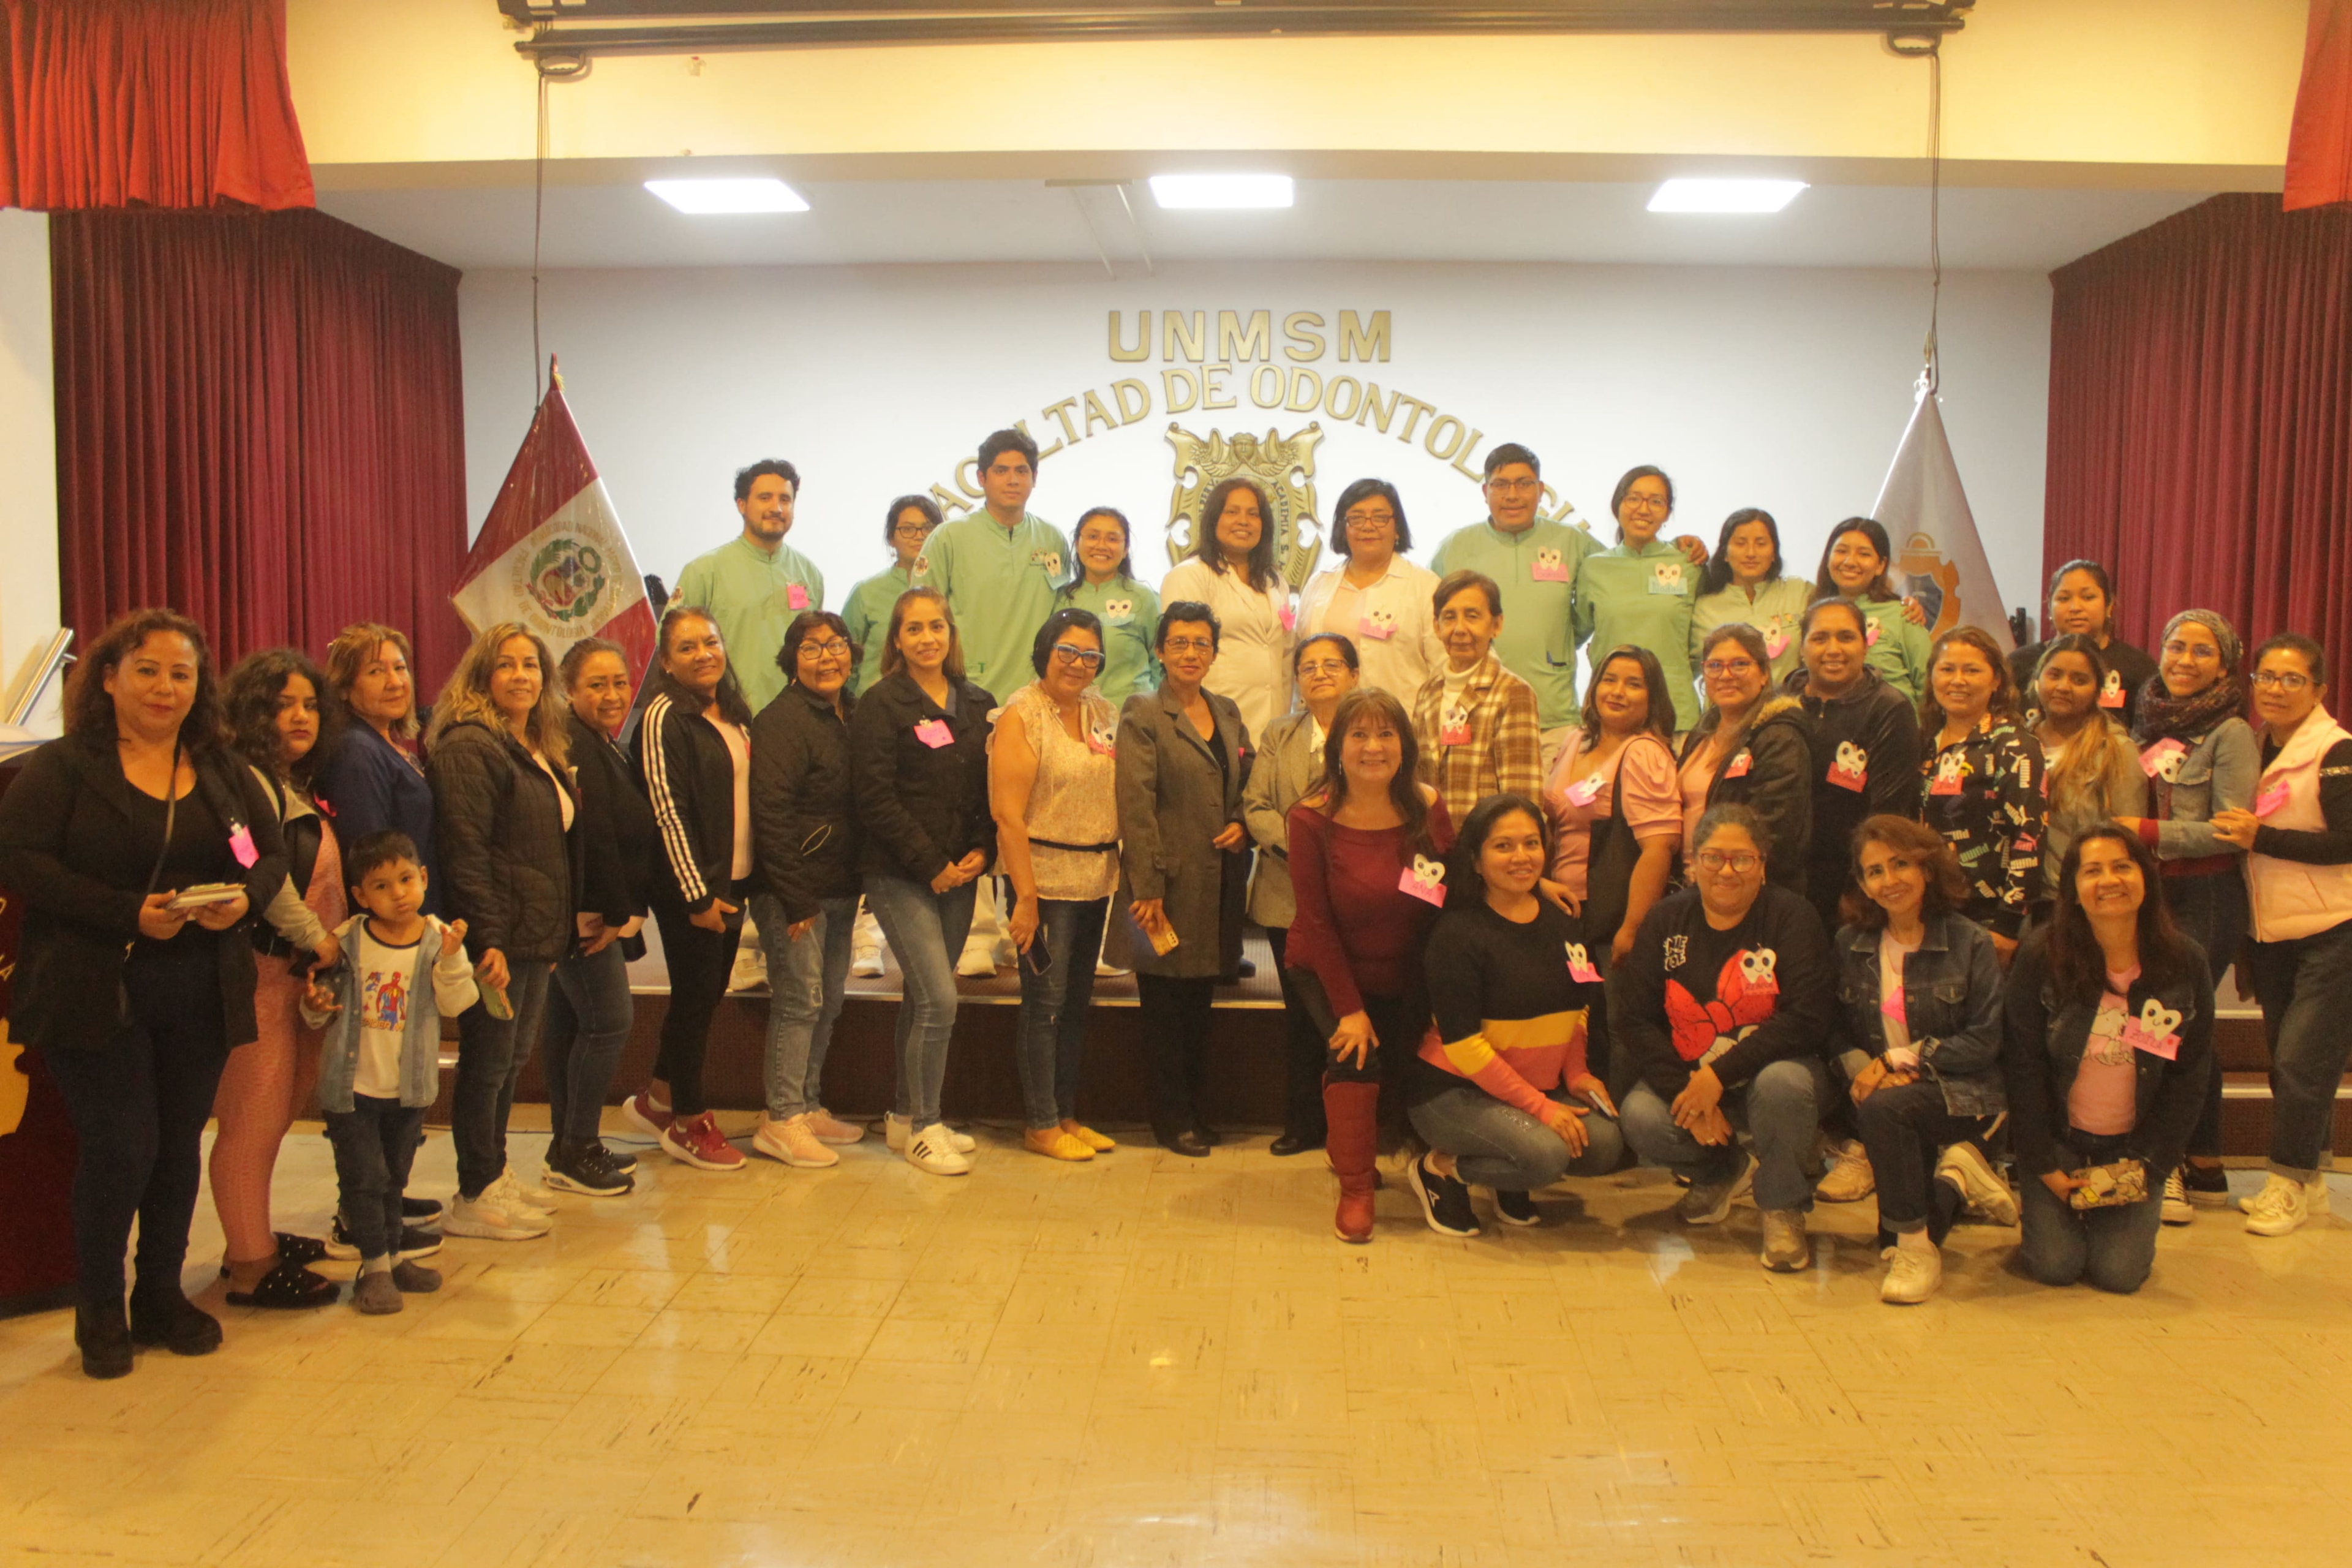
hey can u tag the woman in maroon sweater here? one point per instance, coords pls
(1367, 863)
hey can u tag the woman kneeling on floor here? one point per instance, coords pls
(2108, 1039)
(1920, 1040)
(1500, 1090)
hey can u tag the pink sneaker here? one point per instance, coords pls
(794, 1141)
(648, 1117)
(697, 1141)
(832, 1128)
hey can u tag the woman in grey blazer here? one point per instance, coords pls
(1289, 762)
(1183, 754)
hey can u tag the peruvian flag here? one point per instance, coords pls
(552, 555)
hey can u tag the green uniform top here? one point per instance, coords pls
(1898, 651)
(867, 615)
(1536, 569)
(750, 593)
(1778, 611)
(1129, 613)
(1001, 582)
(1643, 597)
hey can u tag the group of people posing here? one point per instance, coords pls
(1788, 886)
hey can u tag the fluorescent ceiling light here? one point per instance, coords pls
(754, 195)
(1725, 196)
(1222, 190)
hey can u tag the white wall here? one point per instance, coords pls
(28, 451)
(1781, 388)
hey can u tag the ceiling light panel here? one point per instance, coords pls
(1224, 191)
(1725, 196)
(737, 195)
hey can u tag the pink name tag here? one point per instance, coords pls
(2271, 799)
(1849, 768)
(1453, 734)
(1099, 741)
(1890, 1004)
(1739, 768)
(1380, 631)
(2165, 753)
(1776, 644)
(1870, 635)
(1946, 783)
(1579, 965)
(2141, 1037)
(1543, 570)
(2111, 695)
(796, 597)
(1289, 618)
(1428, 891)
(1586, 790)
(240, 844)
(935, 733)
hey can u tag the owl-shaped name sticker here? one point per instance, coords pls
(1424, 879)
(1548, 566)
(1378, 625)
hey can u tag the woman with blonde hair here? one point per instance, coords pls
(499, 751)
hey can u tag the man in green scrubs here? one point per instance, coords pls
(755, 583)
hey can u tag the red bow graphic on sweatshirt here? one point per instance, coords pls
(1705, 1030)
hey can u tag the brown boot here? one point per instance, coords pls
(1353, 1111)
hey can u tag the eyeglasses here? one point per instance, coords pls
(1514, 487)
(1648, 503)
(1323, 667)
(1716, 861)
(832, 648)
(913, 530)
(1370, 520)
(2177, 649)
(1187, 645)
(1728, 667)
(1085, 657)
(2284, 679)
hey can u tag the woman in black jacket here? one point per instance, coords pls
(694, 758)
(805, 834)
(1752, 748)
(134, 1003)
(919, 750)
(1865, 749)
(496, 756)
(589, 1009)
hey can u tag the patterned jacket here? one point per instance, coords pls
(1983, 793)
(1501, 746)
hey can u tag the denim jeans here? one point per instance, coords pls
(1052, 1028)
(2212, 910)
(808, 980)
(926, 930)
(2113, 1249)
(1500, 1146)
(138, 1105)
(375, 1143)
(1906, 1129)
(2305, 986)
(490, 1057)
(1779, 1109)
(589, 1011)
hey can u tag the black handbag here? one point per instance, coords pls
(1609, 877)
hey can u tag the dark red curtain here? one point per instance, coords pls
(260, 422)
(2200, 419)
(166, 103)
(2319, 138)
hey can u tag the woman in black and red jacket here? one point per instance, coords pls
(694, 758)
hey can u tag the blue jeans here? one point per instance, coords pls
(927, 931)
(1779, 1109)
(491, 1055)
(1053, 1029)
(808, 980)
(375, 1143)
(589, 1011)
(2305, 988)
(1500, 1146)
(2113, 1249)
(2212, 911)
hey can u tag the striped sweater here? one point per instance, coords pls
(1507, 1014)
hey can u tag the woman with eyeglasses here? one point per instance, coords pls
(1290, 763)
(2298, 839)
(1374, 596)
(1979, 785)
(1753, 748)
(1235, 569)
(1724, 1006)
(1743, 585)
(805, 841)
(907, 522)
(1474, 722)
(1104, 585)
(2090, 770)
(1053, 784)
(2083, 604)
(1642, 590)
(1854, 564)
(2202, 758)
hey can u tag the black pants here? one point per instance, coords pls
(1397, 1023)
(699, 965)
(1906, 1128)
(1303, 1049)
(375, 1143)
(1176, 1032)
(138, 1104)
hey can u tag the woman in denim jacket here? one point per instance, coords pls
(1919, 1038)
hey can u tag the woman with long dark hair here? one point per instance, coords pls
(1744, 585)
(372, 779)
(1753, 747)
(140, 846)
(2090, 770)
(1235, 569)
(1854, 566)
(1615, 803)
(2082, 603)
(1979, 785)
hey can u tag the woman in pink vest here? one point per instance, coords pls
(2299, 878)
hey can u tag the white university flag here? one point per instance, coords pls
(1938, 558)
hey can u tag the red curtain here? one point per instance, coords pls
(2319, 140)
(2200, 420)
(260, 422)
(166, 103)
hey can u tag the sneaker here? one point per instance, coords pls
(1444, 1200)
(1516, 1208)
(2282, 1206)
(895, 1129)
(2176, 1210)
(646, 1115)
(795, 1142)
(1786, 1249)
(933, 1149)
(586, 1169)
(832, 1128)
(1850, 1179)
(416, 1280)
(487, 1218)
(1980, 1187)
(2208, 1185)
(1913, 1273)
(1103, 971)
(696, 1141)
(623, 1161)
(510, 1195)
(414, 1242)
(977, 964)
(376, 1295)
(536, 1193)
(867, 964)
(1707, 1201)
(420, 1211)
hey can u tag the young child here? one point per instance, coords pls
(401, 974)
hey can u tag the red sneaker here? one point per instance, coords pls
(696, 1140)
(648, 1117)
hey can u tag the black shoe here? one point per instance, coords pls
(1208, 1135)
(625, 1162)
(2208, 1185)
(103, 1335)
(1187, 1143)
(415, 1241)
(585, 1168)
(173, 1321)
(1246, 969)
(420, 1211)
(1295, 1142)
(1516, 1208)
(1444, 1200)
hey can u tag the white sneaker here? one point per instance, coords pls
(489, 1219)
(1972, 1175)
(976, 963)
(866, 963)
(1850, 1178)
(895, 1129)
(1110, 971)
(538, 1195)
(1913, 1273)
(933, 1149)
(508, 1195)
(2176, 1210)
(2282, 1206)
